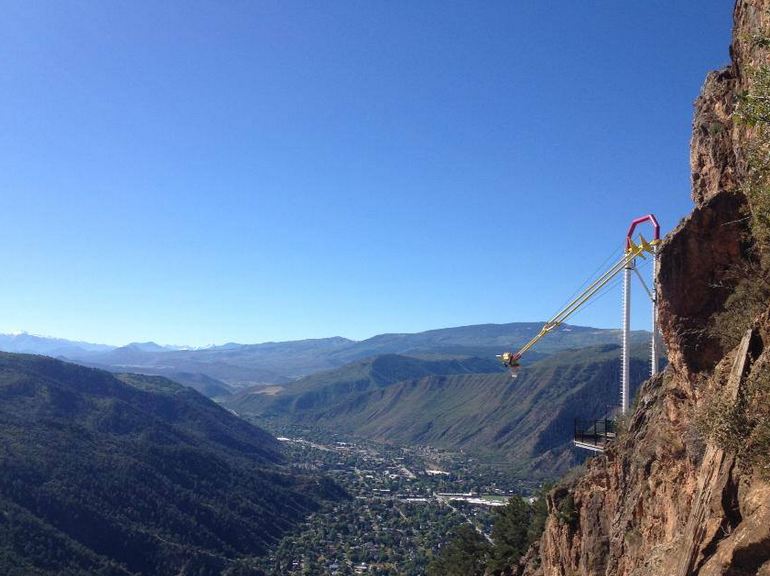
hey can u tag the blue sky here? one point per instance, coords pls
(203, 172)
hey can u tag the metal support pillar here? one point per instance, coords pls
(625, 367)
(654, 345)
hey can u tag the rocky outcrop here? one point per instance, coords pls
(713, 153)
(704, 249)
(666, 499)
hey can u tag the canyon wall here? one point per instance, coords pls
(672, 497)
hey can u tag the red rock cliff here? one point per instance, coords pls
(668, 499)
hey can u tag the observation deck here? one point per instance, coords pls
(594, 434)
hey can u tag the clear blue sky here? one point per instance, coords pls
(203, 172)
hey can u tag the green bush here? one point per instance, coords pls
(566, 512)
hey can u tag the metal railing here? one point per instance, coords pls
(594, 432)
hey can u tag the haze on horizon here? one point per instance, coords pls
(197, 173)
(183, 346)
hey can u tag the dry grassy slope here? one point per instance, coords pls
(666, 500)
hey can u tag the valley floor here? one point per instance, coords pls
(404, 502)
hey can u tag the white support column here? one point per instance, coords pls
(654, 346)
(625, 359)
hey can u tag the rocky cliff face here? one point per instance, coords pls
(674, 496)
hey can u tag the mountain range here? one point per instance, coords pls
(116, 473)
(219, 370)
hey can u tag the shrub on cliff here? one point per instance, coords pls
(753, 112)
(740, 424)
(749, 298)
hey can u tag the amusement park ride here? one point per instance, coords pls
(594, 439)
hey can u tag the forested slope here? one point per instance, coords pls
(133, 474)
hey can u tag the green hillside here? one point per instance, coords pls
(527, 421)
(105, 474)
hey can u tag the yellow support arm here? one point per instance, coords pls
(511, 359)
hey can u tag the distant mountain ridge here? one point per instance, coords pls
(25, 343)
(233, 366)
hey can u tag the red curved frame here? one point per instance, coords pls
(649, 218)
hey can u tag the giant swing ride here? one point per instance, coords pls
(594, 440)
